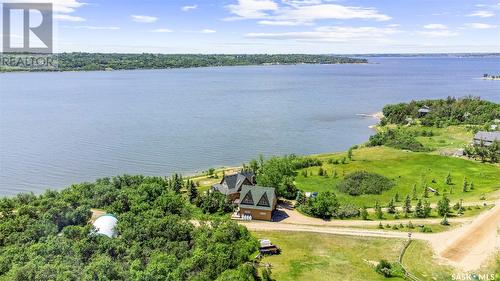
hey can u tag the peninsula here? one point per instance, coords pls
(105, 61)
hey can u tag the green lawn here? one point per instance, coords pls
(406, 169)
(312, 256)
(443, 138)
(419, 260)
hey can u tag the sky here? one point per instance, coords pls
(276, 26)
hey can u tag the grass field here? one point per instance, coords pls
(312, 256)
(443, 138)
(419, 260)
(406, 169)
(451, 137)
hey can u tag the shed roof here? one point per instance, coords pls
(487, 136)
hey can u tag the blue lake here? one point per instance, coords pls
(63, 128)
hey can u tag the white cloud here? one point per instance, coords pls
(252, 9)
(162, 30)
(59, 6)
(477, 25)
(61, 17)
(92, 27)
(299, 11)
(281, 23)
(437, 26)
(437, 30)
(439, 33)
(207, 31)
(143, 18)
(330, 34)
(189, 8)
(482, 14)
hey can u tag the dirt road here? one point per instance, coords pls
(466, 247)
(469, 246)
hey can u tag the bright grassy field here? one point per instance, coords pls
(451, 137)
(313, 256)
(406, 169)
(417, 260)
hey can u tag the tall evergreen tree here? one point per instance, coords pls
(391, 208)
(448, 179)
(414, 193)
(192, 191)
(443, 206)
(465, 185)
(419, 209)
(407, 206)
(396, 197)
(427, 209)
(378, 211)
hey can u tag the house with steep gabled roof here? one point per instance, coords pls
(231, 185)
(257, 202)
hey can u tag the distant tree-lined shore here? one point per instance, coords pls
(102, 61)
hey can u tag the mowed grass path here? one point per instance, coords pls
(406, 169)
(313, 256)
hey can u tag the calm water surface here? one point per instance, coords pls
(62, 128)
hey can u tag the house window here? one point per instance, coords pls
(264, 201)
(248, 199)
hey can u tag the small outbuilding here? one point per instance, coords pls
(423, 111)
(486, 138)
(106, 225)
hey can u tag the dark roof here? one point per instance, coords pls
(257, 197)
(487, 136)
(232, 183)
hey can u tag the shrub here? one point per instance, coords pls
(347, 211)
(324, 206)
(384, 268)
(362, 182)
(397, 138)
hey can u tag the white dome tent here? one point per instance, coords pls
(106, 225)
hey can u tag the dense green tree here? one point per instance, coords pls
(391, 208)
(48, 237)
(361, 182)
(278, 172)
(414, 192)
(192, 191)
(325, 205)
(419, 209)
(448, 179)
(378, 211)
(407, 206)
(443, 206)
(427, 209)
